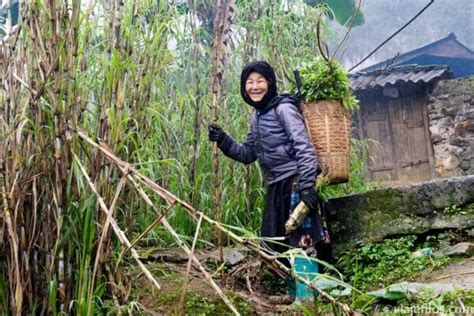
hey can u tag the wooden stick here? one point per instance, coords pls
(188, 269)
(216, 73)
(118, 232)
(318, 36)
(150, 227)
(349, 29)
(105, 230)
(452, 275)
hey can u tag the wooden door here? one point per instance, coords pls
(381, 164)
(410, 142)
(401, 151)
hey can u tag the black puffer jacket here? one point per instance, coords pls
(278, 139)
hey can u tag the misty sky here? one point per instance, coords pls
(383, 17)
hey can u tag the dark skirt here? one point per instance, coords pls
(276, 213)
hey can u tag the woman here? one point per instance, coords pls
(278, 139)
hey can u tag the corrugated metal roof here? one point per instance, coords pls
(448, 47)
(392, 76)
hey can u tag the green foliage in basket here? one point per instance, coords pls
(323, 82)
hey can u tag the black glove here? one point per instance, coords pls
(310, 198)
(216, 133)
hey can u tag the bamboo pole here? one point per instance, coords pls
(103, 235)
(248, 53)
(17, 299)
(198, 96)
(221, 16)
(188, 269)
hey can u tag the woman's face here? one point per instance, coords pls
(256, 86)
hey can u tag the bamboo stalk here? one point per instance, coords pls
(102, 238)
(197, 92)
(118, 232)
(41, 86)
(147, 230)
(17, 299)
(188, 269)
(222, 12)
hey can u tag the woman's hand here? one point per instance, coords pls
(216, 133)
(310, 198)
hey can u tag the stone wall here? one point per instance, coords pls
(451, 120)
(440, 204)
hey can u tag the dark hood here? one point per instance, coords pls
(266, 71)
(284, 97)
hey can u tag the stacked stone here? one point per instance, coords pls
(451, 120)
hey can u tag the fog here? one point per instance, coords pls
(384, 17)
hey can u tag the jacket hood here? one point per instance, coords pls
(282, 98)
(268, 73)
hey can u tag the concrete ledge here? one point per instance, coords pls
(411, 209)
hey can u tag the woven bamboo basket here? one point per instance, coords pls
(329, 124)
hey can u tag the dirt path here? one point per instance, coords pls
(458, 274)
(202, 299)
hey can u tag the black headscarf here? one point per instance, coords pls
(267, 72)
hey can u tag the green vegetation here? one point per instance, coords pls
(372, 265)
(357, 183)
(326, 80)
(426, 301)
(342, 10)
(438, 303)
(203, 306)
(452, 210)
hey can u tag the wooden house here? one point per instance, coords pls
(393, 113)
(394, 96)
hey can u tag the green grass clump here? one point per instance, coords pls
(457, 302)
(372, 265)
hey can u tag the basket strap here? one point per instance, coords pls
(278, 116)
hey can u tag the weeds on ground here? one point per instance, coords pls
(458, 302)
(272, 284)
(372, 265)
(196, 304)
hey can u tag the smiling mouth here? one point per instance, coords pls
(256, 96)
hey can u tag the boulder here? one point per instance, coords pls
(465, 249)
(232, 256)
